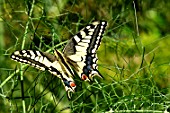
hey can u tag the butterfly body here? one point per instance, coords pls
(79, 53)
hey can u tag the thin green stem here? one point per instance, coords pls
(22, 47)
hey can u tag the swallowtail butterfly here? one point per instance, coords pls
(79, 53)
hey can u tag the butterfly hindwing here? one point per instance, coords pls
(44, 61)
(81, 50)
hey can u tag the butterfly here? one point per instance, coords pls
(79, 54)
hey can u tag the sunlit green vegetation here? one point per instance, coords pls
(134, 56)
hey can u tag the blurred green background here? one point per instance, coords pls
(134, 56)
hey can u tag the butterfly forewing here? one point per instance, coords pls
(81, 49)
(46, 61)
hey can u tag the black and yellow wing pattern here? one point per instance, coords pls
(81, 50)
(79, 54)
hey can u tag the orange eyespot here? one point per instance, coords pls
(84, 77)
(72, 84)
